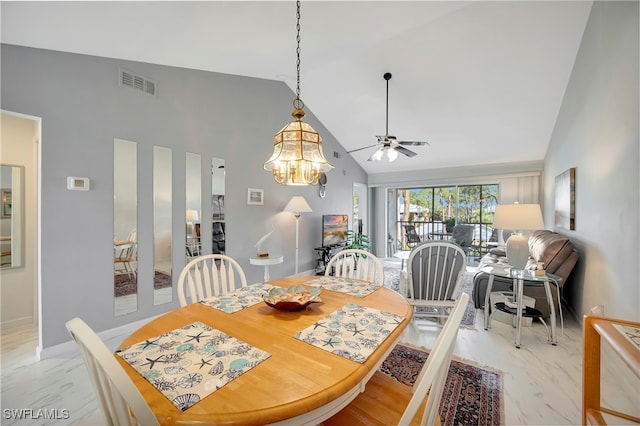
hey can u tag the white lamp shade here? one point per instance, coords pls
(519, 217)
(192, 215)
(297, 204)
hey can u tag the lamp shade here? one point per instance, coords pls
(521, 217)
(297, 205)
(192, 215)
(518, 217)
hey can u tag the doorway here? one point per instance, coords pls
(20, 148)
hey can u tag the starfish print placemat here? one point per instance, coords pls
(345, 285)
(239, 299)
(191, 362)
(352, 331)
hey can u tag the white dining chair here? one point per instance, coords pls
(432, 278)
(357, 264)
(118, 397)
(386, 401)
(207, 276)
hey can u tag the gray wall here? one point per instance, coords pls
(597, 133)
(83, 109)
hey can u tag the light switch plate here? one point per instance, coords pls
(78, 183)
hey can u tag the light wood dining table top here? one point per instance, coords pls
(298, 379)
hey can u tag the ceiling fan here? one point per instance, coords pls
(388, 144)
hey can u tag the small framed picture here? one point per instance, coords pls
(255, 196)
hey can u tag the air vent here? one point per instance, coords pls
(137, 82)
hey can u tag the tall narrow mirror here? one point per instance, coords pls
(11, 216)
(193, 193)
(125, 223)
(162, 238)
(217, 205)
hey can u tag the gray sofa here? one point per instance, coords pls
(556, 253)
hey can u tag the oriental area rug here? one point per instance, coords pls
(472, 395)
(125, 285)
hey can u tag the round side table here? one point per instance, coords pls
(266, 262)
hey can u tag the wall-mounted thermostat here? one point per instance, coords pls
(77, 183)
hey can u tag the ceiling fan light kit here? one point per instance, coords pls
(297, 157)
(388, 144)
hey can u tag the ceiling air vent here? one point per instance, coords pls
(137, 82)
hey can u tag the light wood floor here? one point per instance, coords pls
(542, 383)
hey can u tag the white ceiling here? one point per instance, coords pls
(481, 81)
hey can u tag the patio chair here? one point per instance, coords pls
(412, 236)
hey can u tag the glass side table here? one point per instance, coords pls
(519, 276)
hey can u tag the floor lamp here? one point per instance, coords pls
(296, 206)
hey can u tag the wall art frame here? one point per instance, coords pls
(255, 196)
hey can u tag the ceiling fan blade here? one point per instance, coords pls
(405, 151)
(360, 149)
(414, 143)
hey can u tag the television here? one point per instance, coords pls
(334, 229)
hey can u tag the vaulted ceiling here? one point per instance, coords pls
(481, 81)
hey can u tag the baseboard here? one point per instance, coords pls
(17, 323)
(70, 350)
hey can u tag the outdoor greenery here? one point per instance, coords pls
(431, 209)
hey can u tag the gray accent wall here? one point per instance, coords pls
(597, 133)
(83, 109)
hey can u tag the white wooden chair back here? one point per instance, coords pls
(433, 375)
(433, 276)
(207, 276)
(117, 395)
(357, 264)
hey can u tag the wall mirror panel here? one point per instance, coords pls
(162, 224)
(219, 232)
(193, 193)
(125, 223)
(12, 215)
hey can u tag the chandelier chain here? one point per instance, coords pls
(298, 49)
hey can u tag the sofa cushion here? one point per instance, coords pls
(549, 248)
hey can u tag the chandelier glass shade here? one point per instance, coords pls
(297, 157)
(297, 154)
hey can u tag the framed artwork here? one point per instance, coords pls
(565, 200)
(6, 203)
(255, 196)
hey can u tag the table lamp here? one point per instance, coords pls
(519, 217)
(296, 206)
(192, 216)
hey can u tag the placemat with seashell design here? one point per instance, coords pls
(239, 299)
(191, 362)
(345, 285)
(352, 331)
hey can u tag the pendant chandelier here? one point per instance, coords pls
(297, 149)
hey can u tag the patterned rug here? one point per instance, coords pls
(392, 280)
(472, 395)
(125, 285)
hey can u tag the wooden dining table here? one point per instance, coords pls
(298, 384)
